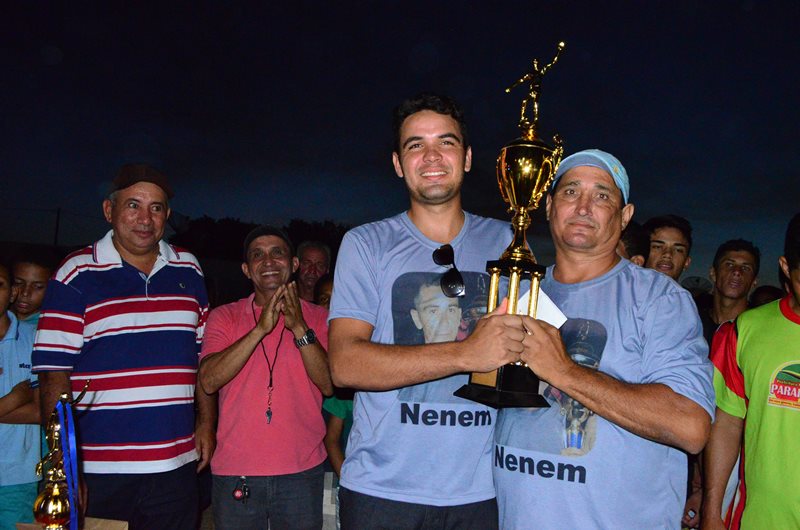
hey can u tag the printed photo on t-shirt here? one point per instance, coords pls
(423, 314)
(567, 427)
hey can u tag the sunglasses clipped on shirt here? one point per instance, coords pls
(452, 282)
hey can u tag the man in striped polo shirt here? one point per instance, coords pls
(126, 315)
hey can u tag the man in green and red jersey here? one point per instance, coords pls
(757, 379)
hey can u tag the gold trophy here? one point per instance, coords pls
(52, 507)
(525, 169)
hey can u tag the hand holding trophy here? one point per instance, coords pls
(525, 168)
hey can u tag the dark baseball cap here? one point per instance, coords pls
(265, 230)
(130, 174)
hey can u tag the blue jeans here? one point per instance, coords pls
(365, 512)
(278, 502)
(149, 501)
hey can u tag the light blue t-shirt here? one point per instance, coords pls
(564, 466)
(20, 443)
(417, 444)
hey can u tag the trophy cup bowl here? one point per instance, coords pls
(525, 169)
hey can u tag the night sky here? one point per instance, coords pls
(267, 111)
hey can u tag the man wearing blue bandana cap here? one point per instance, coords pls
(600, 160)
(629, 381)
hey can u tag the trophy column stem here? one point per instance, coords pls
(494, 289)
(519, 249)
(521, 219)
(513, 291)
(533, 301)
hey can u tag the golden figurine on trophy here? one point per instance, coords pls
(525, 169)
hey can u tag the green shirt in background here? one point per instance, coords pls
(757, 378)
(341, 408)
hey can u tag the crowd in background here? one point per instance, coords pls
(269, 418)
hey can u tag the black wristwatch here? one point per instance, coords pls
(309, 338)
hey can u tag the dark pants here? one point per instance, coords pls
(277, 502)
(151, 501)
(363, 512)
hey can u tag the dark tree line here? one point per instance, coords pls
(206, 237)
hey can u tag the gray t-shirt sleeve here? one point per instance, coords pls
(675, 352)
(355, 283)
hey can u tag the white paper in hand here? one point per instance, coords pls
(546, 309)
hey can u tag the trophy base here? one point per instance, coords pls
(491, 397)
(512, 385)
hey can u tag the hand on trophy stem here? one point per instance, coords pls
(544, 351)
(496, 341)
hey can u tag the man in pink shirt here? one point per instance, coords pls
(266, 356)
